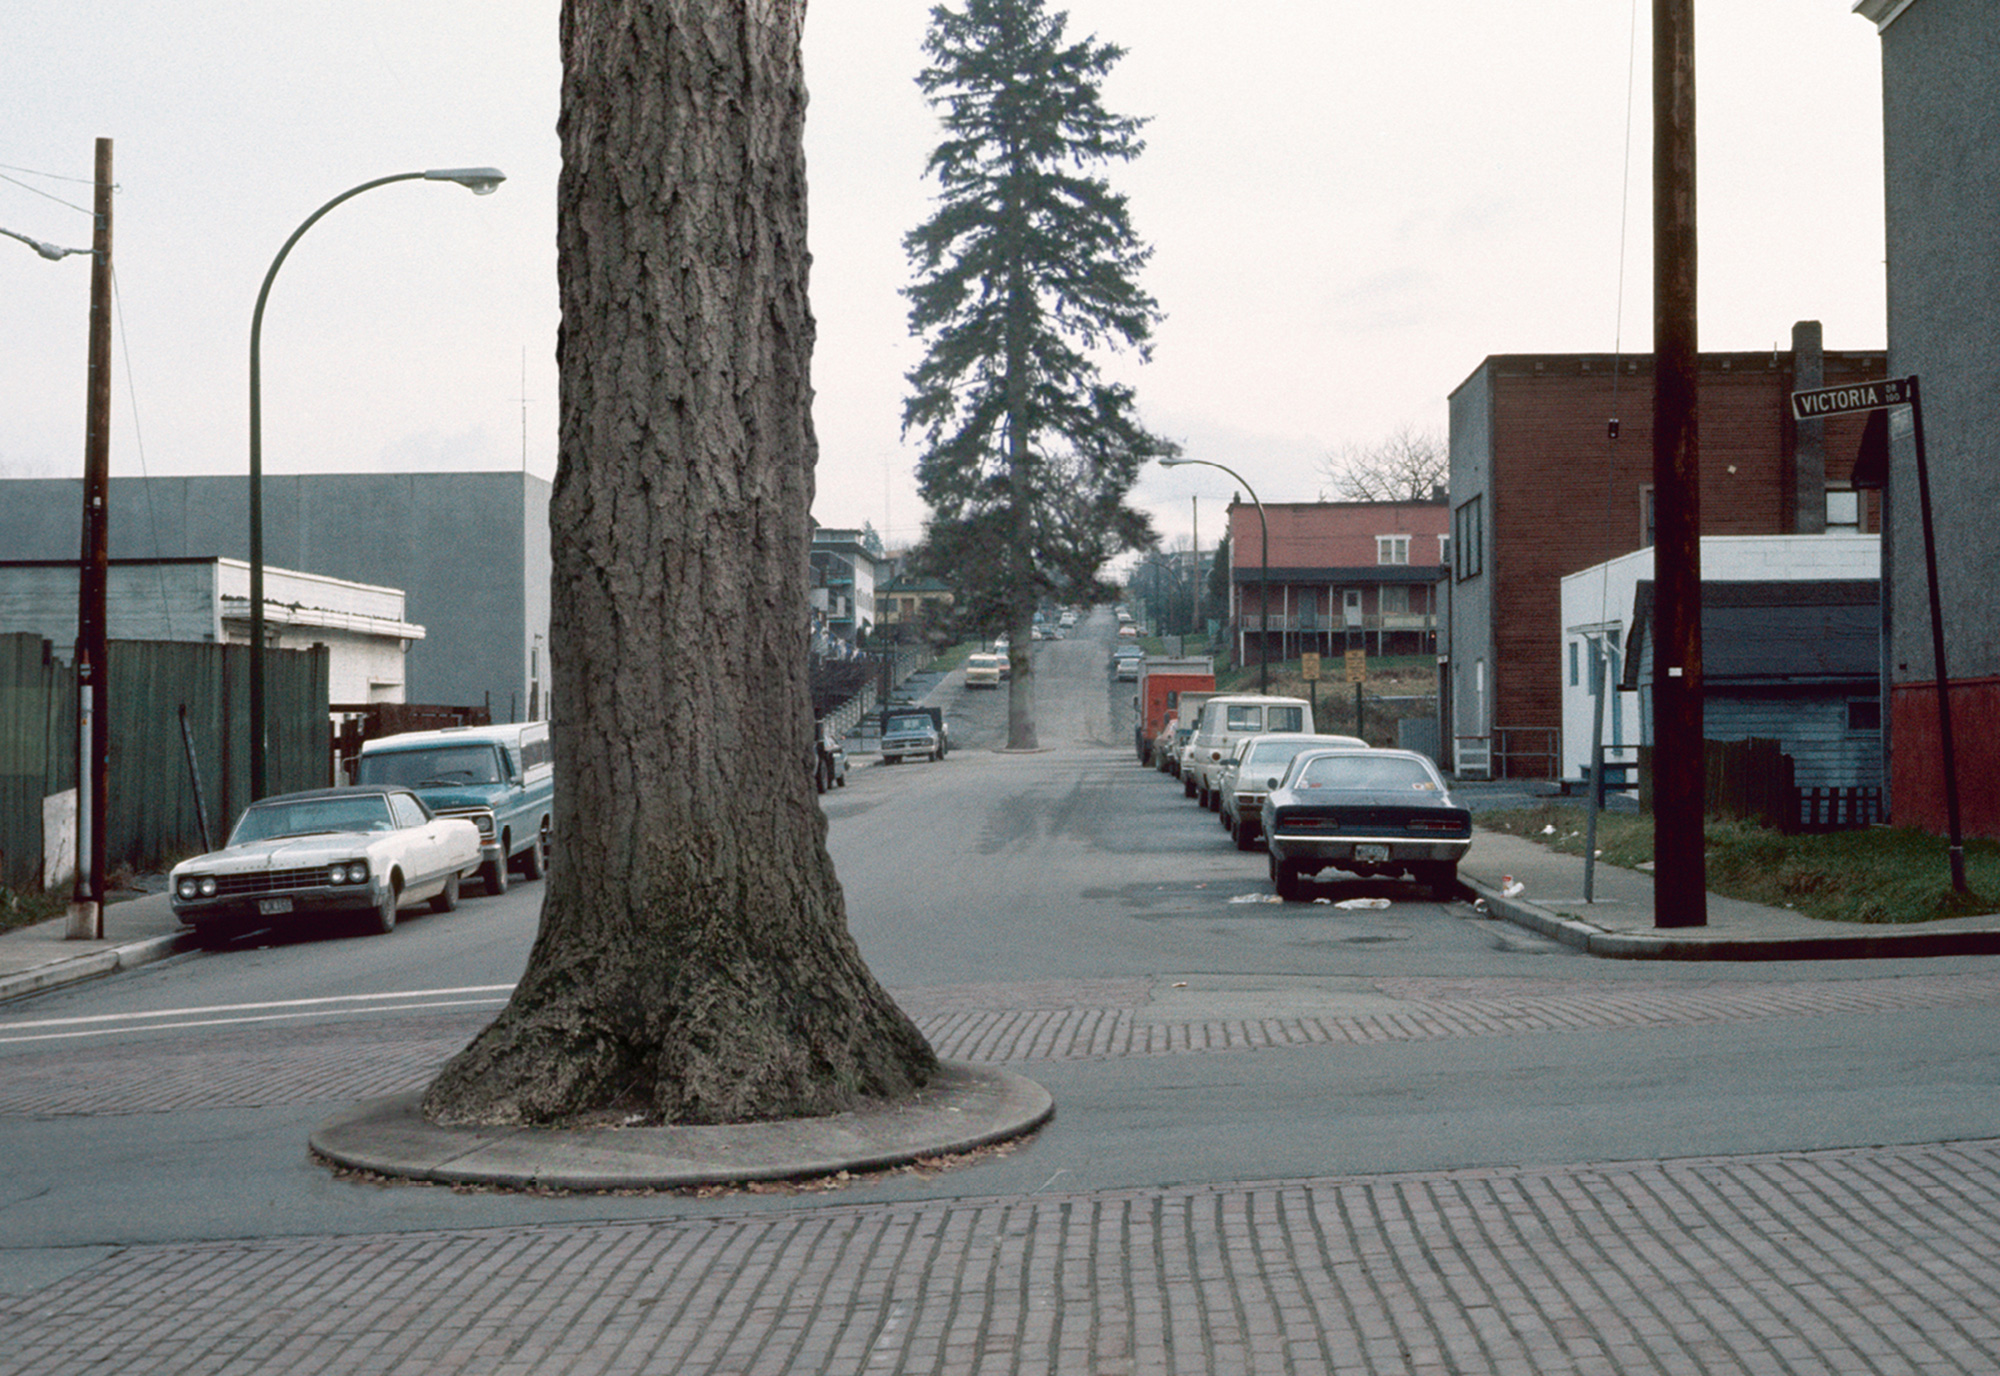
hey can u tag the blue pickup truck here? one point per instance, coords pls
(500, 778)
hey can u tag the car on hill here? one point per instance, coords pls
(1369, 812)
(365, 849)
(1256, 765)
(983, 670)
(913, 732)
(1226, 719)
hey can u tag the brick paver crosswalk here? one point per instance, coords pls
(1878, 1261)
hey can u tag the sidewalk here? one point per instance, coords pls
(137, 931)
(1620, 922)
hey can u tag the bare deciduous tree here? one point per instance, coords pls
(1410, 465)
(693, 963)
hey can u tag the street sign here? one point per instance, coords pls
(1309, 667)
(1357, 666)
(1855, 396)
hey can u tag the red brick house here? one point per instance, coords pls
(1542, 485)
(1359, 575)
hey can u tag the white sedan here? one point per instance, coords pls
(369, 849)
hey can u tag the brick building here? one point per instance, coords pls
(1360, 575)
(1552, 472)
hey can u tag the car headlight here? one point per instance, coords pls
(187, 888)
(347, 872)
(207, 887)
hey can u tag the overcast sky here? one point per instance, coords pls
(1351, 205)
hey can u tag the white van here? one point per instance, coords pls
(1225, 720)
(982, 671)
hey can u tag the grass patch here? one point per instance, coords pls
(26, 907)
(1877, 875)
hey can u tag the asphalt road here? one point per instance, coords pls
(1064, 911)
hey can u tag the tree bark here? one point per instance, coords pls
(693, 963)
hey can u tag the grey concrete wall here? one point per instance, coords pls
(1941, 145)
(469, 549)
(1469, 601)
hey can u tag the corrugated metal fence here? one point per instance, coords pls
(148, 684)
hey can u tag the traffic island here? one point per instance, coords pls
(964, 1108)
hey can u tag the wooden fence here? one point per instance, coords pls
(150, 814)
(1753, 780)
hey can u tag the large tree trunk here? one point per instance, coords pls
(693, 963)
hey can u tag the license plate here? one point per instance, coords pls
(271, 907)
(1377, 854)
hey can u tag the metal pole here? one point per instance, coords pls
(1600, 673)
(86, 913)
(1957, 851)
(1680, 890)
(479, 180)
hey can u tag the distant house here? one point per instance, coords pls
(903, 603)
(1599, 615)
(1795, 662)
(1552, 472)
(1359, 575)
(843, 583)
(1941, 149)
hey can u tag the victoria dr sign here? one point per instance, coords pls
(1855, 396)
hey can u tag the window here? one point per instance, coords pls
(1392, 549)
(1843, 511)
(1468, 539)
(1574, 680)
(1648, 517)
(1393, 600)
(1864, 714)
(1308, 609)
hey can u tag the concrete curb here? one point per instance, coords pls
(58, 973)
(1865, 943)
(966, 1107)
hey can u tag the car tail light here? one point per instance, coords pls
(1434, 824)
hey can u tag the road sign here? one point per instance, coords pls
(1309, 667)
(1357, 666)
(1855, 396)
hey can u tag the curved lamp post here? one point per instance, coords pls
(1263, 572)
(480, 181)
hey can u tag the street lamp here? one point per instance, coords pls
(1263, 572)
(53, 252)
(480, 181)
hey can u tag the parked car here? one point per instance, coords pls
(1255, 765)
(1226, 719)
(912, 733)
(1369, 812)
(500, 778)
(829, 758)
(365, 849)
(983, 670)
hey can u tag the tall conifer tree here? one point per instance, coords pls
(1028, 270)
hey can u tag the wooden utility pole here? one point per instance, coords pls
(93, 730)
(1680, 880)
